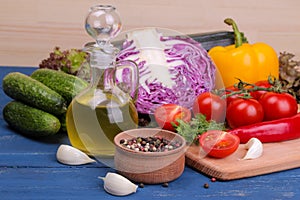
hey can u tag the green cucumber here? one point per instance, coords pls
(63, 122)
(30, 121)
(34, 93)
(67, 85)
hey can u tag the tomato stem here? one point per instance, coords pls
(245, 88)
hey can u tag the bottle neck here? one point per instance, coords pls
(103, 78)
(102, 63)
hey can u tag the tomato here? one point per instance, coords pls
(219, 144)
(167, 114)
(230, 89)
(241, 112)
(210, 105)
(278, 105)
(257, 94)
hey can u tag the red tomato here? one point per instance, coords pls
(219, 144)
(230, 89)
(278, 105)
(210, 105)
(243, 112)
(257, 94)
(167, 114)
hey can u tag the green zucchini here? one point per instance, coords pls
(30, 121)
(34, 93)
(212, 39)
(67, 85)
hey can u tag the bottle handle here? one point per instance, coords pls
(127, 77)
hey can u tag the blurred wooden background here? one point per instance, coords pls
(30, 29)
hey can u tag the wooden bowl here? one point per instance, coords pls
(149, 167)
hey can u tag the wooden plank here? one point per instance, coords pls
(51, 183)
(82, 183)
(29, 30)
(276, 157)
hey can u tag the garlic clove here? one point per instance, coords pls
(255, 149)
(69, 155)
(118, 185)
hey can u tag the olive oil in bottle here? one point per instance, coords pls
(92, 130)
(103, 110)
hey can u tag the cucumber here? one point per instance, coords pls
(63, 122)
(30, 121)
(34, 93)
(67, 85)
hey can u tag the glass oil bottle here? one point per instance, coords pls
(103, 109)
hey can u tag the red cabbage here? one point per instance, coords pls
(177, 71)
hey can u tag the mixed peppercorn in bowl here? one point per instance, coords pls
(150, 155)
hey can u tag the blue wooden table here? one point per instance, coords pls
(29, 170)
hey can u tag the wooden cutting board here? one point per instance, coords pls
(276, 157)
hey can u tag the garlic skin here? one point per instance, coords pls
(69, 155)
(118, 185)
(255, 149)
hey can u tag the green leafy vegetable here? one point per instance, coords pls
(196, 126)
(68, 61)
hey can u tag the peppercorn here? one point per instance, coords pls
(122, 141)
(151, 144)
(139, 140)
(213, 179)
(206, 185)
(141, 185)
(165, 184)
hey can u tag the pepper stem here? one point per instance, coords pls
(238, 36)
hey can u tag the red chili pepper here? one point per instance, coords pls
(270, 131)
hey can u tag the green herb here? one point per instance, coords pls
(196, 126)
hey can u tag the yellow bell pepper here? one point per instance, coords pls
(248, 62)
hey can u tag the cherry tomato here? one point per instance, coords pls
(278, 105)
(230, 89)
(210, 105)
(257, 94)
(243, 112)
(219, 144)
(167, 114)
